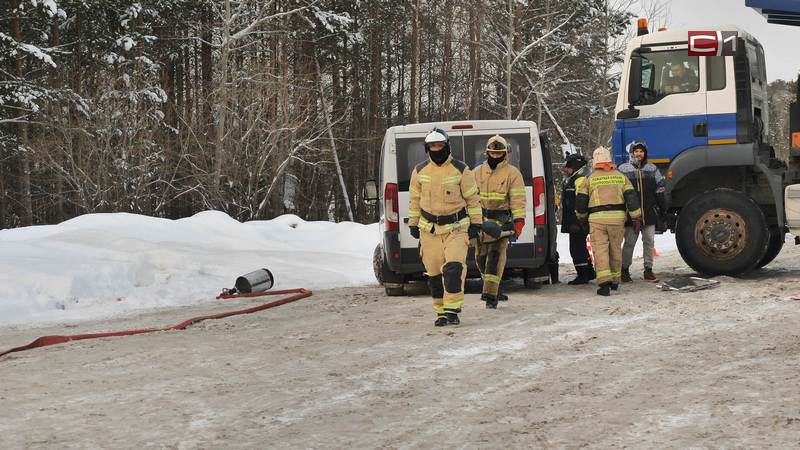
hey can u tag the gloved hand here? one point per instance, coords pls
(637, 225)
(474, 231)
(414, 232)
(519, 224)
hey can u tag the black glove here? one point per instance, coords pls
(474, 230)
(414, 232)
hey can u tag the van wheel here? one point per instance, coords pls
(377, 263)
(395, 291)
(722, 232)
(776, 238)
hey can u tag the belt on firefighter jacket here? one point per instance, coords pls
(619, 207)
(444, 220)
(497, 214)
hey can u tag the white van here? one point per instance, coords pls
(397, 258)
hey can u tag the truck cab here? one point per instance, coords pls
(705, 121)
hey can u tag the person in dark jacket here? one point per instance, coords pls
(651, 187)
(575, 169)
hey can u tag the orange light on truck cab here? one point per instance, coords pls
(641, 26)
(796, 140)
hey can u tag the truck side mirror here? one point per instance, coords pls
(635, 80)
(371, 192)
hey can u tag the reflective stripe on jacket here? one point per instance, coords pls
(443, 190)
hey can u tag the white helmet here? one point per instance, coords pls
(437, 136)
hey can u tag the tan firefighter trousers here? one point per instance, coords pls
(491, 260)
(444, 257)
(607, 249)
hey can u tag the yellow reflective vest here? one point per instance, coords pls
(606, 197)
(440, 191)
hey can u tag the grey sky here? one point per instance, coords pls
(781, 43)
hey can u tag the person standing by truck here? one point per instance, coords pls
(576, 170)
(444, 213)
(605, 198)
(502, 193)
(651, 187)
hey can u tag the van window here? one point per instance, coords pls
(520, 143)
(411, 151)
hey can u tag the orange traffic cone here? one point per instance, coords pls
(655, 252)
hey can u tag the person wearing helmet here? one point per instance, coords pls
(502, 193)
(606, 198)
(444, 213)
(651, 187)
(576, 170)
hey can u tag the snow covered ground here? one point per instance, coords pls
(102, 265)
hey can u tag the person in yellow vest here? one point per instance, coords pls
(444, 213)
(605, 198)
(502, 191)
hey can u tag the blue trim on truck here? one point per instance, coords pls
(668, 136)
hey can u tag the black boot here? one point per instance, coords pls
(583, 276)
(440, 321)
(491, 301)
(590, 273)
(626, 275)
(604, 289)
(501, 297)
(452, 318)
(614, 286)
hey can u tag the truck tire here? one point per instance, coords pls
(776, 238)
(722, 232)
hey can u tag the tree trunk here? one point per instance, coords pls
(222, 100)
(414, 100)
(26, 215)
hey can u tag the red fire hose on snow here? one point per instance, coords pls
(53, 340)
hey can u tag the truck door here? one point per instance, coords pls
(672, 108)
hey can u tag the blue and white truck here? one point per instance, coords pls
(705, 121)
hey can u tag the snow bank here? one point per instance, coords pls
(100, 265)
(664, 243)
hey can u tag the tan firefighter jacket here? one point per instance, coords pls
(605, 196)
(447, 192)
(502, 189)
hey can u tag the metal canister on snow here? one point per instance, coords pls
(258, 281)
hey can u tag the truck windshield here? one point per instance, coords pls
(668, 72)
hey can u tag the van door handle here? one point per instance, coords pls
(700, 129)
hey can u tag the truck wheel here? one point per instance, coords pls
(722, 232)
(776, 238)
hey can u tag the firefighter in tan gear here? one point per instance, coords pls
(606, 197)
(444, 213)
(502, 191)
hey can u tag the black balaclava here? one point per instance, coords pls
(493, 162)
(441, 156)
